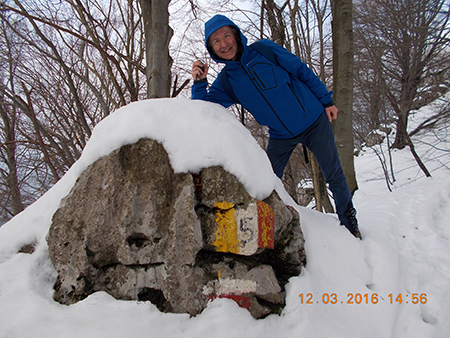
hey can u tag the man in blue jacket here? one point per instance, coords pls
(286, 96)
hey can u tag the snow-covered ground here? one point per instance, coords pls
(349, 288)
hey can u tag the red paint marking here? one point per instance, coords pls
(266, 223)
(242, 301)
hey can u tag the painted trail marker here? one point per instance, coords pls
(244, 231)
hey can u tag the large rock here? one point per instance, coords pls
(132, 227)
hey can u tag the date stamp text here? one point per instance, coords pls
(358, 298)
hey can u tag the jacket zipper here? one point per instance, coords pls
(300, 102)
(267, 101)
(258, 78)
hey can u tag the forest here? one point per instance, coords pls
(67, 64)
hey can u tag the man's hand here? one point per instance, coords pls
(332, 112)
(199, 70)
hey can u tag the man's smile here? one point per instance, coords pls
(224, 43)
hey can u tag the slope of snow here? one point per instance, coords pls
(405, 248)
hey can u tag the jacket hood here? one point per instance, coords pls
(214, 24)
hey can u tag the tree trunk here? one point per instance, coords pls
(343, 86)
(401, 136)
(275, 20)
(10, 150)
(290, 183)
(323, 203)
(155, 14)
(9, 115)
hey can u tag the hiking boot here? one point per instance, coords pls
(352, 225)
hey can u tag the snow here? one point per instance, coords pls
(405, 248)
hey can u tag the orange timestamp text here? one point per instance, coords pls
(358, 298)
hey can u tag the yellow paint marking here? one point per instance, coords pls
(226, 234)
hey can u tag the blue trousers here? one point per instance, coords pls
(318, 138)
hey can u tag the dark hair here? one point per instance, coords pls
(240, 46)
(236, 33)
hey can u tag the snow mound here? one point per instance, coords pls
(196, 135)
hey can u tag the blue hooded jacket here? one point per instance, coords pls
(288, 97)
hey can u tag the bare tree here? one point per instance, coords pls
(410, 38)
(343, 86)
(78, 61)
(10, 192)
(9, 185)
(157, 37)
(275, 20)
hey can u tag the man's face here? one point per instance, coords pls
(223, 43)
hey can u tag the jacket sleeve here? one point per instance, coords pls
(215, 93)
(292, 64)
